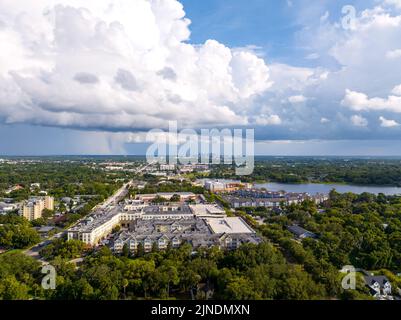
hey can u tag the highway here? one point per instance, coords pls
(116, 197)
(122, 192)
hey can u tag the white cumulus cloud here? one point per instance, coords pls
(395, 3)
(297, 99)
(385, 123)
(118, 65)
(268, 120)
(361, 102)
(393, 54)
(359, 121)
(397, 90)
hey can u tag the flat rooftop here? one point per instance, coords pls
(95, 220)
(167, 194)
(230, 225)
(206, 209)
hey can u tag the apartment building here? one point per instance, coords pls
(33, 208)
(225, 234)
(261, 198)
(224, 185)
(49, 203)
(95, 227)
(167, 167)
(100, 224)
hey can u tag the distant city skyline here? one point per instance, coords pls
(312, 78)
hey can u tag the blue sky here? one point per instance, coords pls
(271, 25)
(268, 24)
(102, 76)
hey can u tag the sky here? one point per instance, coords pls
(93, 77)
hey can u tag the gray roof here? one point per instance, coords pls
(45, 229)
(194, 231)
(299, 231)
(371, 280)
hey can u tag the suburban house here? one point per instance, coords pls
(379, 286)
(301, 233)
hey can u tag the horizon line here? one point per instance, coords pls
(144, 155)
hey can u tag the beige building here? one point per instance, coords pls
(49, 203)
(184, 196)
(34, 207)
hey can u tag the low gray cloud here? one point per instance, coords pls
(168, 73)
(174, 98)
(127, 80)
(86, 78)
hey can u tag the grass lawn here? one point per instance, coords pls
(11, 252)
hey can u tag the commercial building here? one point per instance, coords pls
(33, 208)
(167, 167)
(200, 167)
(207, 210)
(229, 225)
(223, 185)
(184, 196)
(214, 186)
(134, 205)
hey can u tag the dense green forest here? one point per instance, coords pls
(319, 170)
(168, 186)
(16, 232)
(61, 179)
(252, 272)
(75, 177)
(363, 230)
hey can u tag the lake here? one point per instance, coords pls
(314, 188)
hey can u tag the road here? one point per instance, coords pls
(122, 192)
(114, 199)
(34, 251)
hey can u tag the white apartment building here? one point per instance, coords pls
(93, 229)
(167, 167)
(99, 225)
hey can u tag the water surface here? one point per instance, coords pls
(314, 188)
